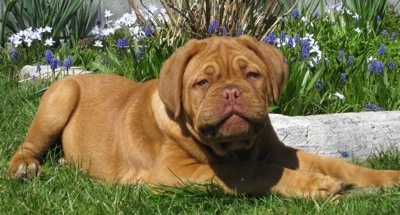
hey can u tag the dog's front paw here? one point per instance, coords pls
(318, 186)
(311, 185)
(24, 167)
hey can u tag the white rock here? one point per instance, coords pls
(359, 134)
(29, 72)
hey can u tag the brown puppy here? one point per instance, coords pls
(205, 119)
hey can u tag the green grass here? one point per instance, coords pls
(63, 190)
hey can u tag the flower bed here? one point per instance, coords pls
(342, 58)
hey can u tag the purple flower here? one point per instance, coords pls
(53, 63)
(372, 66)
(319, 85)
(14, 55)
(59, 63)
(270, 38)
(379, 68)
(381, 50)
(376, 66)
(378, 18)
(224, 32)
(393, 36)
(341, 55)
(350, 60)
(372, 107)
(344, 154)
(122, 43)
(384, 33)
(391, 64)
(213, 27)
(290, 42)
(68, 62)
(343, 77)
(295, 13)
(282, 37)
(140, 53)
(147, 31)
(305, 48)
(48, 55)
(98, 21)
(316, 15)
(38, 68)
(297, 39)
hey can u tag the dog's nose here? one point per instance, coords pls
(231, 93)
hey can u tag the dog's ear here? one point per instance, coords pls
(171, 75)
(274, 61)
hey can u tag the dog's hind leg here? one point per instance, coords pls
(55, 109)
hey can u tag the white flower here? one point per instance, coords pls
(280, 42)
(309, 37)
(29, 35)
(15, 39)
(27, 31)
(40, 30)
(28, 41)
(107, 13)
(339, 95)
(338, 7)
(356, 16)
(304, 19)
(134, 31)
(36, 35)
(127, 19)
(108, 31)
(152, 8)
(96, 31)
(98, 43)
(163, 15)
(47, 29)
(358, 30)
(371, 59)
(17, 43)
(49, 42)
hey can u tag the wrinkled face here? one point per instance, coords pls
(225, 95)
(222, 87)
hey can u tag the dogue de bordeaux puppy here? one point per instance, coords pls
(204, 120)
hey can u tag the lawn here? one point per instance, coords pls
(63, 190)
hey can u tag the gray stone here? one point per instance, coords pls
(358, 134)
(29, 72)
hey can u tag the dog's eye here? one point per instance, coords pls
(203, 83)
(252, 75)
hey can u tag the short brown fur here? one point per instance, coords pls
(205, 119)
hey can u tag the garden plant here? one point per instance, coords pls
(343, 57)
